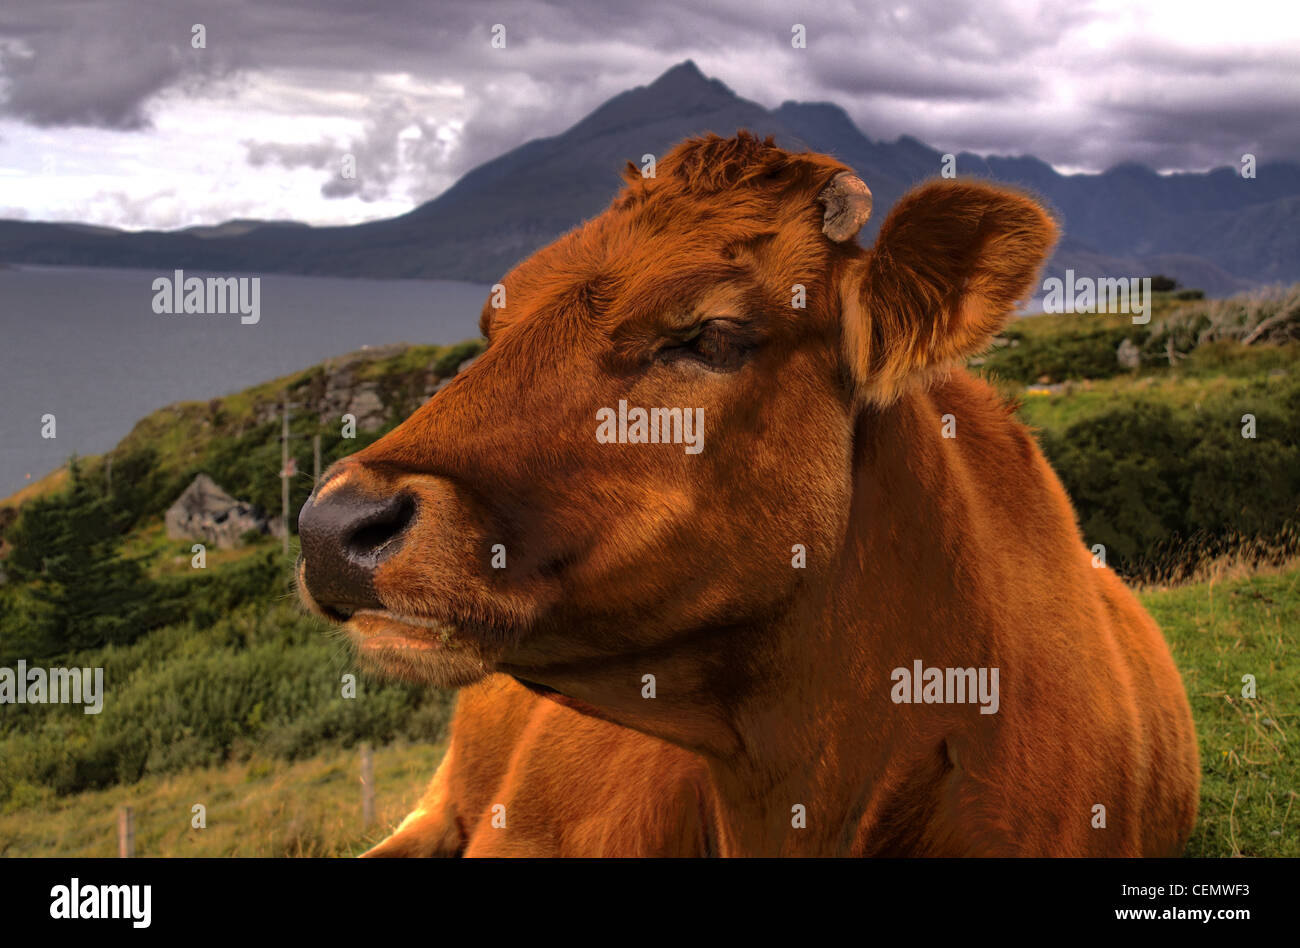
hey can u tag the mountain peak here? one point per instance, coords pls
(686, 80)
(684, 70)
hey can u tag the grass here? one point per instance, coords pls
(1220, 631)
(53, 482)
(1178, 388)
(162, 555)
(259, 807)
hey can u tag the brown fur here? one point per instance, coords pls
(561, 777)
(822, 429)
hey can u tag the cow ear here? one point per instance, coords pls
(952, 261)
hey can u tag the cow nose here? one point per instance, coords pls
(345, 535)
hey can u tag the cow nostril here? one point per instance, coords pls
(372, 537)
(346, 533)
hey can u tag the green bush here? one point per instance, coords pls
(1146, 476)
(1085, 354)
(263, 678)
(75, 589)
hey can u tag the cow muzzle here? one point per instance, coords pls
(346, 535)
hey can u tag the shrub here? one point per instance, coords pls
(1147, 474)
(261, 678)
(77, 589)
(1089, 353)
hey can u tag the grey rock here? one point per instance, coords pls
(207, 513)
(367, 406)
(1128, 354)
(344, 394)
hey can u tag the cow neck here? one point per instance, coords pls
(820, 730)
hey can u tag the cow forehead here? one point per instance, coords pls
(670, 254)
(710, 196)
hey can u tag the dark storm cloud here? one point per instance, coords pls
(45, 90)
(944, 51)
(97, 63)
(1157, 130)
(915, 79)
(958, 74)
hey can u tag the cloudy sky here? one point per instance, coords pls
(109, 115)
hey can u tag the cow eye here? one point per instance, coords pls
(715, 344)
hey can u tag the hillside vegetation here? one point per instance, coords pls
(1154, 455)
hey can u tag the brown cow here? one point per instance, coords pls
(837, 509)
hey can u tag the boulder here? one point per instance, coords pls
(1128, 355)
(367, 406)
(207, 513)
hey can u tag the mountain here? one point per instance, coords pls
(1215, 230)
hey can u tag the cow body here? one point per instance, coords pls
(708, 644)
(524, 776)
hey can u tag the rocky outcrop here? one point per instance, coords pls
(354, 385)
(207, 513)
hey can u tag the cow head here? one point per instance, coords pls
(661, 427)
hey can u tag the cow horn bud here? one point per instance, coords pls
(848, 205)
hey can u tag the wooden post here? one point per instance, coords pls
(315, 460)
(284, 475)
(125, 833)
(367, 787)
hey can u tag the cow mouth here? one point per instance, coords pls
(418, 649)
(380, 628)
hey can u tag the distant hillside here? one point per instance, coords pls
(1213, 230)
(1216, 230)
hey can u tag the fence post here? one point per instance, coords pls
(284, 474)
(367, 787)
(125, 833)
